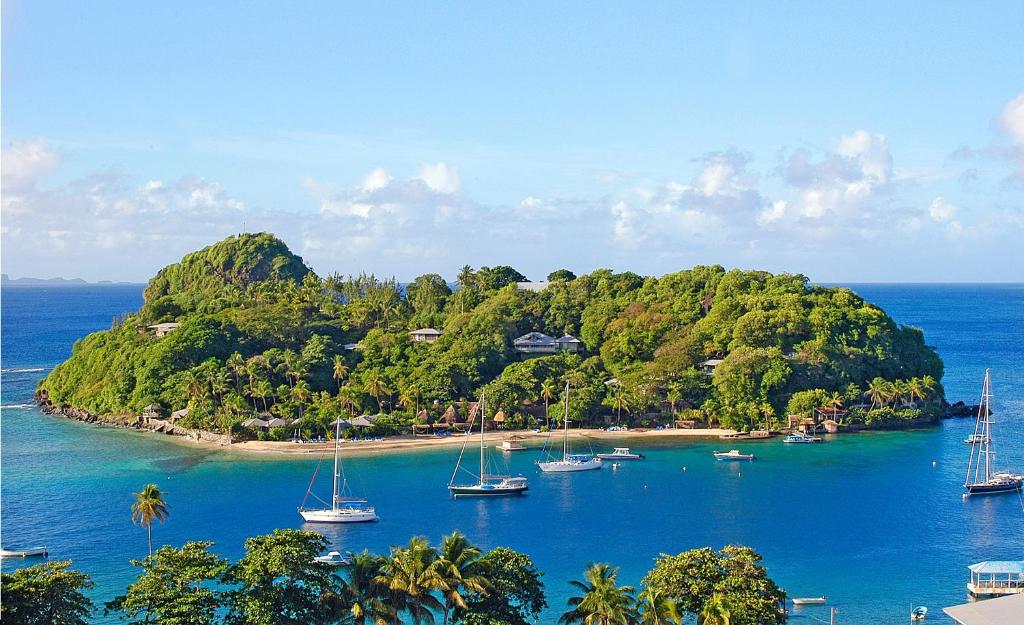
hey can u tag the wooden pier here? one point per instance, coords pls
(996, 578)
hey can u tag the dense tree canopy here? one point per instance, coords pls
(261, 333)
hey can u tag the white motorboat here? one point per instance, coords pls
(511, 444)
(975, 439)
(334, 558)
(569, 462)
(808, 600)
(343, 509)
(31, 552)
(621, 453)
(800, 437)
(485, 484)
(732, 454)
(919, 613)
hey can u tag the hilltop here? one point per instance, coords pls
(253, 330)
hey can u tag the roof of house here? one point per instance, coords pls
(999, 566)
(534, 338)
(568, 338)
(1007, 610)
(170, 325)
(278, 422)
(178, 414)
(532, 286)
(254, 423)
(361, 422)
(426, 332)
(711, 362)
(153, 408)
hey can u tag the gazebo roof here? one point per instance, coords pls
(499, 417)
(449, 415)
(254, 423)
(1001, 567)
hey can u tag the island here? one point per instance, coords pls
(242, 341)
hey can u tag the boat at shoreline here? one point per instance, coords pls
(570, 462)
(31, 552)
(981, 478)
(333, 558)
(510, 444)
(732, 454)
(620, 453)
(800, 437)
(343, 509)
(809, 600)
(487, 484)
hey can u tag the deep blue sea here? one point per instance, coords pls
(873, 521)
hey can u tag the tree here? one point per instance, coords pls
(547, 393)
(515, 594)
(177, 587)
(49, 593)
(339, 370)
(561, 274)
(412, 577)
(714, 612)
(654, 608)
(149, 506)
(360, 591)
(457, 572)
(603, 601)
(674, 396)
(377, 388)
(878, 393)
(279, 582)
(619, 402)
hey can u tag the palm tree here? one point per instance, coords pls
(878, 392)
(603, 602)
(674, 396)
(929, 384)
(377, 389)
(656, 609)
(236, 364)
(405, 401)
(547, 393)
(619, 403)
(456, 571)
(340, 370)
(347, 396)
(915, 389)
(897, 391)
(361, 591)
(262, 390)
(301, 394)
(411, 576)
(714, 612)
(834, 402)
(149, 506)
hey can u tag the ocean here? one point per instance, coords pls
(874, 521)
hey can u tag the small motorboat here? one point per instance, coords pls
(975, 439)
(510, 445)
(334, 558)
(620, 453)
(800, 437)
(32, 552)
(919, 613)
(808, 600)
(732, 454)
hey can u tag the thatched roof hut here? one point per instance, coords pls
(499, 417)
(449, 415)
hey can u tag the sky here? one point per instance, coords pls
(867, 141)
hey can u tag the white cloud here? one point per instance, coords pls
(25, 162)
(1011, 120)
(376, 179)
(440, 177)
(941, 210)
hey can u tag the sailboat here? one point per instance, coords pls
(570, 462)
(981, 479)
(343, 508)
(490, 485)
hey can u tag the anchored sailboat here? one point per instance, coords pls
(343, 508)
(570, 462)
(490, 485)
(981, 478)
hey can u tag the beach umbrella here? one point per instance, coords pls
(499, 417)
(449, 415)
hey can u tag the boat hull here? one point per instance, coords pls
(809, 601)
(560, 466)
(614, 457)
(995, 488)
(341, 515)
(728, 457)
(35, 552)
(475, 490)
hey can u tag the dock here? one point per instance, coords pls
(996, 578)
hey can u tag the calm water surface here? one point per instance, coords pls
(874, 521)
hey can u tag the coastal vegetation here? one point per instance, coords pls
(260, 334)
(278, 581)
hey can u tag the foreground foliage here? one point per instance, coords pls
(260, 333)
(45, 594)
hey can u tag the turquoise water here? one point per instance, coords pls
(874, 521)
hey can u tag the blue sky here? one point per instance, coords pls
(869, 141)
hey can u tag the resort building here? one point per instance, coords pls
(536, 287)
(540, 343)
(709, 366)
(996, 578)
(1000, 611)
(163, 329)
(425, 335)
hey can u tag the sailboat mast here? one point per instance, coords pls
(483, 419)
(565, 420)
(337, 437)
(987, 397)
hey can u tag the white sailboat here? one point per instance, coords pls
(981, 478)
(343, 508)
(487, 484)
(569, 462)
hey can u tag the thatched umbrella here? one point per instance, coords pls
(499, 417)
(449, 415)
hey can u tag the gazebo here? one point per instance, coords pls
(255, 422)
(152, 411)
(499, 419)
